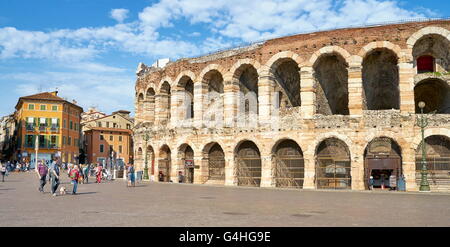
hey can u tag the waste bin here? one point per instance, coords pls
(139, 175)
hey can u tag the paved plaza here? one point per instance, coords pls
(163, 204)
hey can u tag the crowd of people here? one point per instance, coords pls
(78, 174)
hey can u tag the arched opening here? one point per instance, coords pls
(380, 77)
(436, 95)
(333, 165)
(187, 104)
(149, 105)
(165, 102)
(214, 100)
(437, 157)
(248, 95)
(289, 165)
(331, 83)
(215, 157)
(287, 87)
(151, 159)
(164, 164)
(432, 54)
(139, 153)
(248, 164)
(186, 154)
(382, 162)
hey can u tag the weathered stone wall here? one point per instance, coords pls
(269, 124)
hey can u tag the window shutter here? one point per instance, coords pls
(57, 141)
(36, 121)
(58, 123)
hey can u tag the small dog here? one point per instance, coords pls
(62, 190)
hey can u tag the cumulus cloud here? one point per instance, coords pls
(119, 14)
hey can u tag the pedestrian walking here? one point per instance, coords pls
(3, 170)
(74, 176)
(54, 172)
(180, 177)
(42, 171)
(161, 176)
(131, 177)
(98, 173)
(86, 174)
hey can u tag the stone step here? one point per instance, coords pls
(215, 182)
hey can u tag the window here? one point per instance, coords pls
(120, 138)
(42, 141)
(114, 125)
(425, 64)
(102, 148)
(70, 125)
(54, 108)
(76, 126)
(128, 126)
(29, 141)
(107, 124)
(69, 141)
(54, 124)
(43, 107)
(111, 138)
(120, 149)
(64, 123)
(64, 140)
(99, 124)
(30, 106)
(102, 138)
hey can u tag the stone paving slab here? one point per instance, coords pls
(163, 204)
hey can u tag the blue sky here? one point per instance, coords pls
(90, 50)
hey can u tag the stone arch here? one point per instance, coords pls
(213, 157)
(278, 58)
(246, 78)
(369, 48)
(429, 132)
(324, 136)
(431, 52)
(185, 91)
(164, 103)
(330, 50)
(436, 95)
(333, 164)
(289, 164)
(213, 97)
(382, 158)
(427, 31)
(330, 74)
(161, 82)
(186, 163)
(248, 164)
(236, 69)
(151, 152)
(381, 79)
(149, 105)
(164, 163)
(209, 68)
(185, 73)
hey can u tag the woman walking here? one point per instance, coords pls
(98, 173)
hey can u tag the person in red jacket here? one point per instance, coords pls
(99, 171)
(74, 176)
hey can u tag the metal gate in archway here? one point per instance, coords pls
(333, 165)
(437, 154)
(248, 165)
(216, 163)
(289, 168)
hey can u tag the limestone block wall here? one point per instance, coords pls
(273, 121)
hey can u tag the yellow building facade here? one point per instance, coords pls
(52, 120)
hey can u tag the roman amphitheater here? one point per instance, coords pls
(323, 110)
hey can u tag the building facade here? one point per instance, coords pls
(322, 110)
(7, 137)
(109, 138)
(56, 124)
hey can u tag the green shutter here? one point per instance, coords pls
(57, 139)
(48, 121)
(33, 141)
(36, 122)
(57, 122)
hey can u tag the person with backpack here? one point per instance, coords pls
(41, 171)
(54, 173)
(86, 173)
(74, 176)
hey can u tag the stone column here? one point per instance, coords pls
(307, 92)
(159, 110)
(267, 176)
(230, 103)
(200, 173)
(355, 88)
(357, 172)
(310, 171)
(406, 86)
(200, 90)
(175, 108)
(230, 170)
(409, 169)
(265, 89)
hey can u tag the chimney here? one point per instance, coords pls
(54, 93)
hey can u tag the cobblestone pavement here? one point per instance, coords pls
(163, 204)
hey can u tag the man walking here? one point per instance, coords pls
(86, 173)
(54, 172)
(3, 170)
(42, 171)
(74, 176)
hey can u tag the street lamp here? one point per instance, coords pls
(422, 123)
(146, 138)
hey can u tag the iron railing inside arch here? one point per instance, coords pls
(248, 44)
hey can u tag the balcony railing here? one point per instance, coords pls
(30, 127)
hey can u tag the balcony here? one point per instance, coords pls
(54, 129)
(42, 128)
(30, 127)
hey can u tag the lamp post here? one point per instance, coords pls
(146, 138)
(422, 123)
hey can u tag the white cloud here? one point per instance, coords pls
(119, 14)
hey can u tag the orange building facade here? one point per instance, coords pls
(52, 120)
